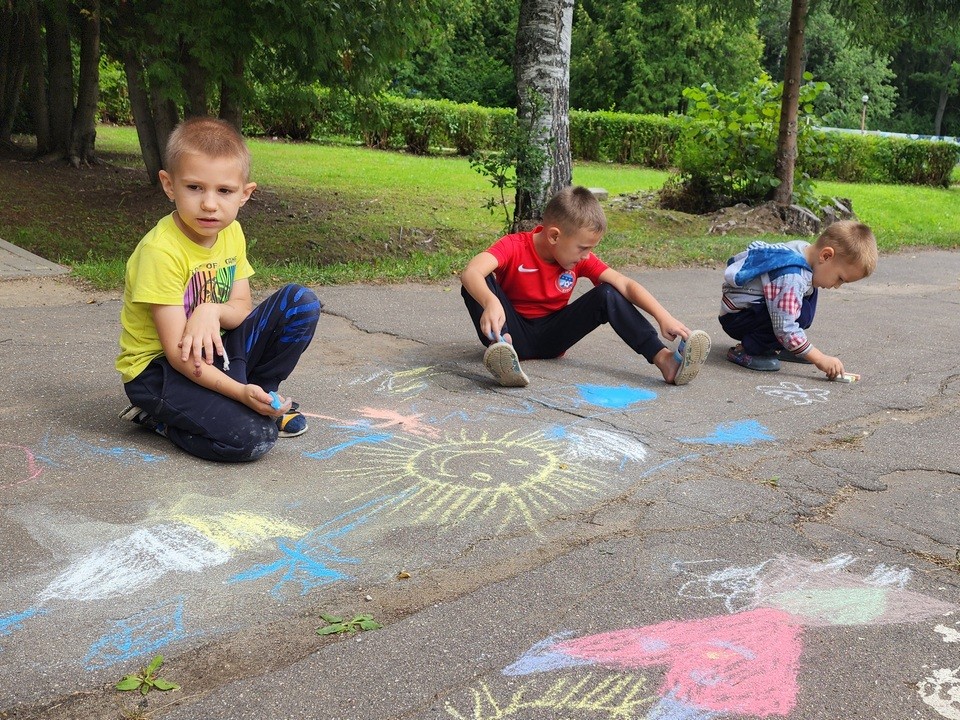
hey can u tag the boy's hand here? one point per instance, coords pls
(493, 319)
(256, 398)
(825, 363)
(671, 328)
(201, 336)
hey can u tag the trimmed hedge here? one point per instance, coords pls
(872, 158)
(424, 126)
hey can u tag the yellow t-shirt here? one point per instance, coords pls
(168, 268)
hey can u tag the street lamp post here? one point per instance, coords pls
(863, 114)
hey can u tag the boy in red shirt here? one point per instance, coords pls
(517, 293)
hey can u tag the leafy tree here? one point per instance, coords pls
(639, 55)
(468, 57)
(836, 56)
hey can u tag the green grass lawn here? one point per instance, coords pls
(343, 213)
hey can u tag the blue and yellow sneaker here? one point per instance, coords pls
(292, 423)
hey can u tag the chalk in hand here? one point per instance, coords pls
(226, 360)
(847, 377)
(275, 401)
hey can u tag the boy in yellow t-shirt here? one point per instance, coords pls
(199, 363)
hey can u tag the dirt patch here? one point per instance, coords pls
(68, 214)
(44, 292)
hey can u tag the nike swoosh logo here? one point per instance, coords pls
(526, 269)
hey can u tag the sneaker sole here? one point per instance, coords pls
(130, 413)
(502, 362)
(285, 434)
(696, 348)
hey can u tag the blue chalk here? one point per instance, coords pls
(275, 402)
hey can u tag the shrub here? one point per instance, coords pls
(286, 110)
(727, 149)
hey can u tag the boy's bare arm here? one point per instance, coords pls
(828, 364)
(171, 322)
(474, 279)
(636, 293)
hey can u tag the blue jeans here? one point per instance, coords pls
(753, 328)
(264, 349)
(553, 335)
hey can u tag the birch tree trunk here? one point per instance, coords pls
(789, 105)
(542, 71)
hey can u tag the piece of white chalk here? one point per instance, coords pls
(226, 360)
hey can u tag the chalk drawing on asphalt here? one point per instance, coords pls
(403, 382)
(950, 635)
(617, 397)
(142, 634)
(737, 432)
(382, 419)
(68, 450)
(239, 531)
(134, 562)
(12, 622)
(609, 696)
(587, 443)
(817, 593)
(941, 691)
(791, 392)
(311, 561)
(31, 468)
(514, 478)
(747, 662)
(744, 664)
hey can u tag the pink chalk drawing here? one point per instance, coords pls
(410, 424)
(742, 664)
(33, 468)
(747, 662)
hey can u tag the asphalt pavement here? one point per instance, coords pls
(596, 545)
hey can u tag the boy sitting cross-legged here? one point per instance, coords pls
(517, 294)
(199, 363)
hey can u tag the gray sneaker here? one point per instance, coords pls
(504, 364)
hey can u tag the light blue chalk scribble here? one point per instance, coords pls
(329, 452)
(617, 397)
(556, 432)
(11, 622)
(738, 432)
(543, 657)
(142, 634)
(59, 452)
(670, 707)
(308, 561)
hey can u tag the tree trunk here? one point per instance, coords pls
(787, 139)
(165, 116)
(142, 115)
(37, 83)
(947, 63)
(84, 130)
(60, 76)
(542, 71)
(13, 28)
(231, 95)
(195, 86)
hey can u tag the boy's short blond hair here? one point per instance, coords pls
(208, 136)
(575, 208)
(853, 242)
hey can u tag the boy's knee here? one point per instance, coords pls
(251, 441)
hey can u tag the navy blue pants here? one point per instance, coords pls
(753, 328)
(553, 335)
(264, 349)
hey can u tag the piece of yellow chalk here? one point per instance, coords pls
(847, 377)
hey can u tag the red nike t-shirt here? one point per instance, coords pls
(535, 287)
